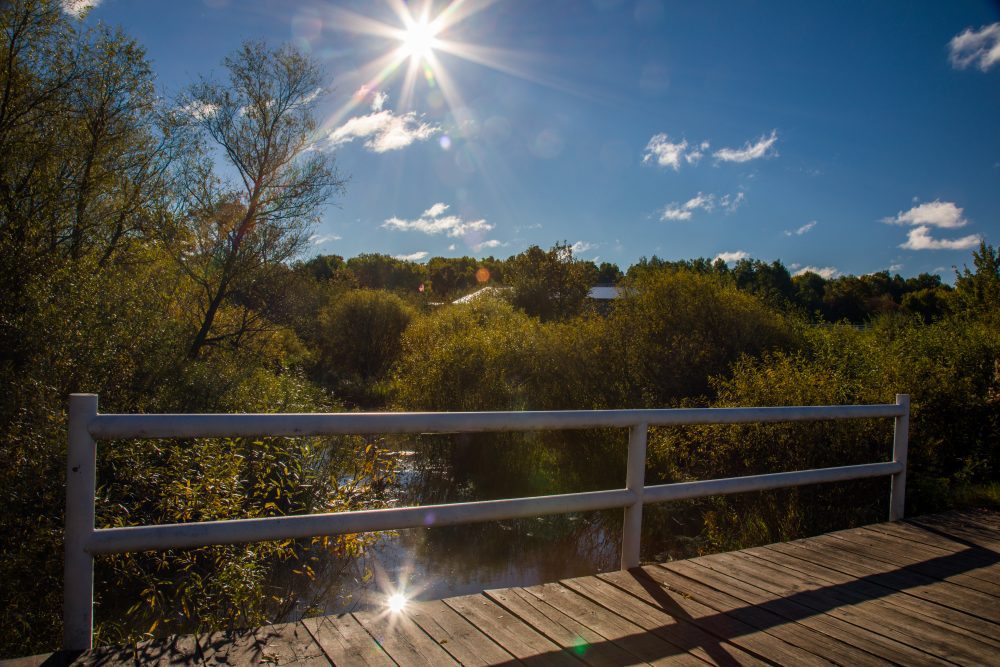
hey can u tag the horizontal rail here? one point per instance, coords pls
(188, 535)
(114, 426)
(776, 480)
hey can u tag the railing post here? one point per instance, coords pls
(900, 444)
(635, 482)
(81, 480)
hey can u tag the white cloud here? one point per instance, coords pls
(696, 154)
(943, 214)
(77, 8)
(452, 247)
(828, 272)
(413, 257)
(491, 243)
(675, 212)
(582, 246)
(703, 202)
(976, 46)
(920, 239)
(435, 210)
(895, 268)
(731, 203)
(664, 152)
(432, 222)
(378, 101)
(749, 151)
(199, 110)
(316, 239)
(729, 257)
(801, 230)
(383, 130)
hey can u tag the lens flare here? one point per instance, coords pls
(396, 602)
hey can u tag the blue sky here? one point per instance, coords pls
(848, 137)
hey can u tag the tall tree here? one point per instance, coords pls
(237, 229)
(550, 284)
(979, 289)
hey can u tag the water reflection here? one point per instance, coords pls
(433, 563)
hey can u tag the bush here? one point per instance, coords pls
(679, 328)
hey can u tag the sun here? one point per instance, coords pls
(396, 603)
(419, 39)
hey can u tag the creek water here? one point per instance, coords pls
(439, 562)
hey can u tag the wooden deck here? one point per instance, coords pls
(921, 592)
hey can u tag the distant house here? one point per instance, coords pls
(483, 292)
(604, 292)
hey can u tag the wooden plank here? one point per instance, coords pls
(949, 642)
(863, 638)
(629, 636)
(510, 632)
(948, 566)
(234, 647)
(681, 633)
(988, 520)
(764, 619)
(457, 636)
(175, 650)
(982, 608)
(988, 571)
(583, 642)
(927, 601)
(345, 642)
(402, 639)
(106, 657)
(724, 626)
(959, 530)
(796, 586)
(914, 534)
(290, 643)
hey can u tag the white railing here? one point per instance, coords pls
(86, 426)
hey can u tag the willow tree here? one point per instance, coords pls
(243, 217)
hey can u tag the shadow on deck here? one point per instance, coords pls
(924, 591)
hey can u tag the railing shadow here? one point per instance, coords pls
(721, 628)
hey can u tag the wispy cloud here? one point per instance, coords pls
(976, 46)
(702, 202)
(413, 257)
(491, 243)
(433, 222)
(732, 202)
(382, 129)
(804, 229)
(729, 257)
(316, 239)
(763, 148)
(920, 239)
(676, 211)
(937, 213)
(828, 272)
(582, 246)
(77, 8)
